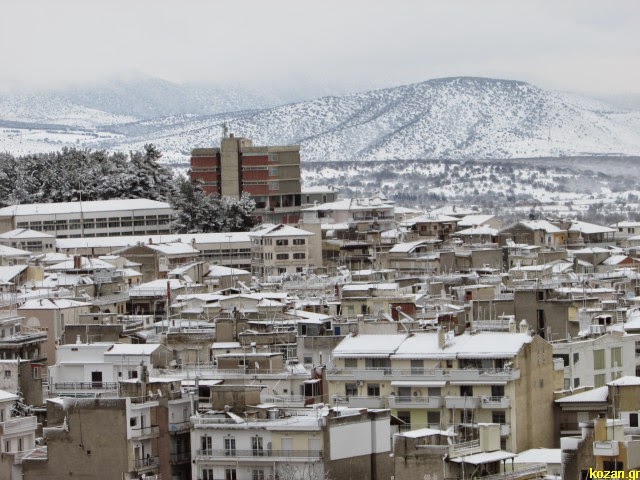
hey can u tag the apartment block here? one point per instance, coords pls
(270, 174)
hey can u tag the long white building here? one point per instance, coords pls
(90, 219)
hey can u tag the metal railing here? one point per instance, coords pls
(145, 431)
(531, 471)
(458, 448)
(85, 386)
(19, 424)
(148, 462)
(258, 453)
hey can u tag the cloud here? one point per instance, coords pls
(573, 45)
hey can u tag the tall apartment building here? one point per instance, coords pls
(270, 174)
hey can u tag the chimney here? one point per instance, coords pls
(512, 325)
(441, 338)
(524, 326)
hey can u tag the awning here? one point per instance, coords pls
(484, 457)
(417, 383)
(479, 382)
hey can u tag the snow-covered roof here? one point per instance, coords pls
(544, 225)
(615, 260)
(24, 234)
(479, 230)
(356, 287)
(279, 231)
(368, 346)
(426, 432)
(173, 248)
(51, 304)
(407, 247)
(351, 204)
(334, 226)
(589, 228)
(479, 345)
(484, 457)
(430, 218)
(474, 220)
(83, 207)
(129, 241)
(133, 349)
(7, 396)
(540, 455)
(9, 272)
(221, 271)
(597, 395)
(85, 264)
(6, 251)
(625, 224)
(453, 210)
(625, 381)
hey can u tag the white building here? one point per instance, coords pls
(17, 436)
(90, 219)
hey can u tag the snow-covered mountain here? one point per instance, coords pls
(455, 118)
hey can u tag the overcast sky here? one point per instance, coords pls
(345, 45)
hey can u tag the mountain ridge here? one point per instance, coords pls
(450, 117)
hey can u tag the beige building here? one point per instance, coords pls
(279, 250)
(439, 380)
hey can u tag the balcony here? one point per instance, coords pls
(183, 457)
(259, 455)
(147, 463)
(537, 470)
(496, 402)
(464, 448)
(609, 448)
(179, 427)
(359, 402)
(462, 402)
(474, 375)
(145, 432)
(19, 425)
(396, 401)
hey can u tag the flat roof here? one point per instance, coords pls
(82, 207)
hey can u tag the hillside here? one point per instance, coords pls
(450, 118)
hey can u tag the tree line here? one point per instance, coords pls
(72, 175)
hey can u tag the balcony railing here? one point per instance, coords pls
(19, 424)
(148, 462)
(396, 401)
(464, 447)
(531, 471)
(85, 386)
(149, 431)
(462, 402)
(496, 402)
(256, 454)
(445, 374)
(183, 457)
(180, 426)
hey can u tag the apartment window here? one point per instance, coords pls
(466, 416)
(114, 222)
(7, 446)
(207, 474)
(298, 241)
(256, 446)
(613, 465)
(466, 390)
(633, 419)
(417, 367)
(598, 360)
(576, 358)
(101, 223)
(274, 186)
(230, 447)
(373, 389)
(19, 444)
(351, 389)
(616, 357)
(405, 416)
(433, 418)
(273, 157)
(282, 256)
(498, 417)
(434, 391)
(205, 444)
(599, 380)
(299, 256)
(257, 475)
(7, 374)
(138, 222)
(576, 382)
(133, 421)
(282, 242)
(230, 474)
(497, 390)
(350, 363)
(273, 171)
(567, 383)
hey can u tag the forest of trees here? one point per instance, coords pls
(72, 175)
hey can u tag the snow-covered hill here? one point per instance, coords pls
(454, 118)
